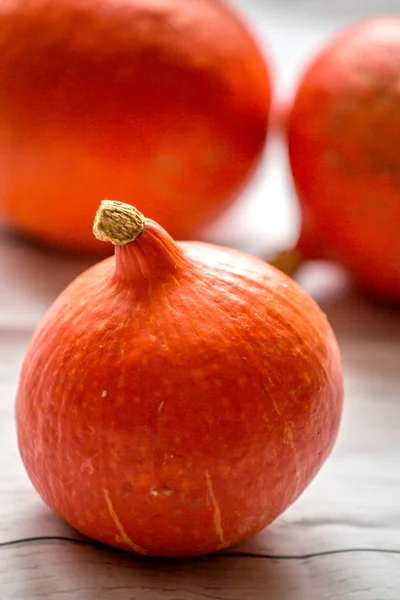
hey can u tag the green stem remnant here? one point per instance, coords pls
(287, 261)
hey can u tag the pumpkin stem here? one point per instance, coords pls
(287, 261)
(118, 223)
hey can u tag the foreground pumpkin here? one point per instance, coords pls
(344, 134)
(177, 397)
(165, 100)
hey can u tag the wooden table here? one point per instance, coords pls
(342, 538)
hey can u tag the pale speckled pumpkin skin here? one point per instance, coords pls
(179, 402)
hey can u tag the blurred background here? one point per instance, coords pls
(291, 33)
(265, 218)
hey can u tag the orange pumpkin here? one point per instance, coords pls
(177, 397)
(344, 136)
(166, 101)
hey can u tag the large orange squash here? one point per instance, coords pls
(344, 139)
(178, 397)
(165, 100)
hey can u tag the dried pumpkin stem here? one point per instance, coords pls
(118, 223)
(287, 261)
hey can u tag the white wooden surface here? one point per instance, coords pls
(341, 540)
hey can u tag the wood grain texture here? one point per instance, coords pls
(61, 572)
(354, 502)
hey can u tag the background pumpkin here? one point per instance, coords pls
(166, 101)
(343, 132)
(181, 395)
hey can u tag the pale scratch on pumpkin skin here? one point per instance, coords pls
(123, 537)
(276, 408)
(216, 511)
(87, 465)
(288, 436)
